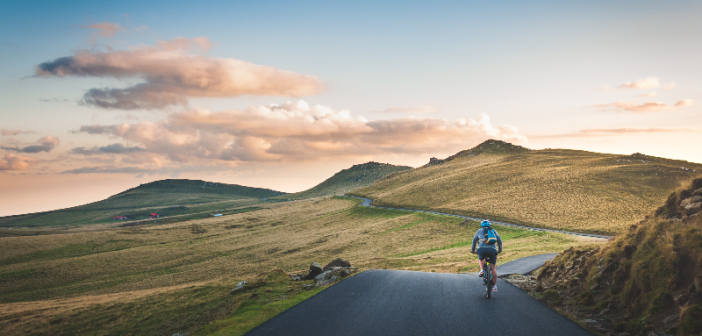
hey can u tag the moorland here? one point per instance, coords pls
(78, 271)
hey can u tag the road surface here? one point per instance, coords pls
(404, 303)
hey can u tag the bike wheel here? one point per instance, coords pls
(488, 282)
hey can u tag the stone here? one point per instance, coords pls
(652, 333)
(239, 287)
(693, 206)
(181, 334)
(338, 262)
(344, 272)
(323, 276)
(689, 200)
(697, 192)
(315, 269)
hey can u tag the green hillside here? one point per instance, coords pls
(347, 180)
(166, 197)
(554, 188)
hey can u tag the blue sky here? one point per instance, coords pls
(555, 71)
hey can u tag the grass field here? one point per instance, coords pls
(176, 277)
(552, 188)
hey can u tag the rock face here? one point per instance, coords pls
(434, 161)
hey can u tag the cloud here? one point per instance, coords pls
(646, 107)
(644, 83)
(597, 132)
(412, 110)
(172, 74)
(685, 103)
(45, 144)
(296, 132)
(106, 29)
(650, 94)
(108, 170)
(53, 100)
(604, 88)
(7, 132)
(14, 162)
(116, 148)
(647, 83)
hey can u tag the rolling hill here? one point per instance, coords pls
(347, 180)
(170, 197)
(553, 188)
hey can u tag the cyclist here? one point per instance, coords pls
(487, 250)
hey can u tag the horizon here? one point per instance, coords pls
(98, 98)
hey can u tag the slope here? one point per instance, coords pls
(553, 188)
(166, 197)
(647, 279)
(347, 180)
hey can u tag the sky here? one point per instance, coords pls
(99, 97)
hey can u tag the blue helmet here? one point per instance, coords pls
(485, 223)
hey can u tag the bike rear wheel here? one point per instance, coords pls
(488, 281)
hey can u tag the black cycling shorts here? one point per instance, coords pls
(489, 253)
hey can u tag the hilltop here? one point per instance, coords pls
(553, 188)
(649, 278)
(171, 197)
(350, 179)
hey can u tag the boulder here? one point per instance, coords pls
(315, 270)
(693, 206)
(323, 276)
(338, 262)
(325, 279)
(697, 192)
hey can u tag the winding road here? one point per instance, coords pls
(367, 203)
(404, 303)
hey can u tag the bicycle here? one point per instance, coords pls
(487, 279)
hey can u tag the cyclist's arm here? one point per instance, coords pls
(499, 241)
(475, 240)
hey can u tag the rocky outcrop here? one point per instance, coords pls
(327, 275)
(338, 262)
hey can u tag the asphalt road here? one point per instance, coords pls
(385, 302)
(524, 265)
(367, 202)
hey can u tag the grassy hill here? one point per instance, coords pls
(554, 188)
(648, 279)
(166, 197)
(162, 279)
(347, 180)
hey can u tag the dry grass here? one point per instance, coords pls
(562, 189)
(79, 268)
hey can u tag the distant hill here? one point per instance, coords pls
(555, 188)
(166, 197)
(347, 180)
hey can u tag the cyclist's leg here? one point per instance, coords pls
(493, 266)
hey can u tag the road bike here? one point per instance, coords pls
(487, 278)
